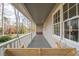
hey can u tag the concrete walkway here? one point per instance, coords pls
(39, 42)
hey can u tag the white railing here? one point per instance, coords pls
(17, 42)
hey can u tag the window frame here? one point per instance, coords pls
(70, 19)
(57, 23)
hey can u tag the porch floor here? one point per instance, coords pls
(39, 42)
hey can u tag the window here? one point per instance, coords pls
(71, 25)
(57, 29)
(69, 10)
(74, 29)
(78, 8)
(65, 7)
(72, 11)
(58, 17)
(55, 19)
(57, 23)
(71, 5)
(65, 11)
(65, 15)
(66, 29)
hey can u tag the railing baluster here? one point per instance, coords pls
(20, 42)
(5, 46)
(17, 44)
(0, 51)
(8, 46)
(14, 44)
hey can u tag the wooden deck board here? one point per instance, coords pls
(40, 51)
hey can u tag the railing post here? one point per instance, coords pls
(14, 44)
(17, 30)
(17, 43)
(2, 51)
(8, 46)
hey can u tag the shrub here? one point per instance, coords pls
(4, 38)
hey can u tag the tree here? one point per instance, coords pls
(23, 29)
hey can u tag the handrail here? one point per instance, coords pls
(10, 41)
(17, 42)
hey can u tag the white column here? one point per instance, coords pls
(17, 21)
(2, 19)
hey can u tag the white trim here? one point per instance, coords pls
(71, 18)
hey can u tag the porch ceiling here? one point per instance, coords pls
(39, 11)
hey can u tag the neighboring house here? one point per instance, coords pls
(12, 30)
